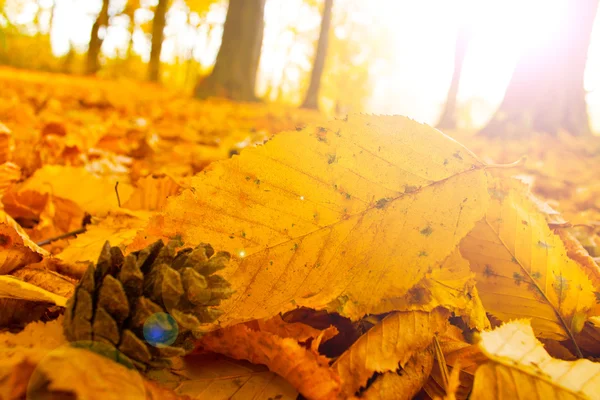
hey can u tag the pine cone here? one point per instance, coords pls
(148, 305)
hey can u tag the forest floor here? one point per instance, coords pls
(101, 157)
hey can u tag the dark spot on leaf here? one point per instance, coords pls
(488, 270)
(536, 275)
(348, 195)
(257, 181)
(518, 278)
(381, 203)
(423, 254)
(457, 155)
(419, 295)
(445, 161)
(410, 189)
(426, 231)
(5, 240)
(561, 286)
(330, 158)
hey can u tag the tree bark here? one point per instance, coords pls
(158, 27)
(312, 95)
(546, 92)
(234, 73)
(93, 54)
(448, 120)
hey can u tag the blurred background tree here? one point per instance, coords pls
(546, 92)
(234, 73)
(312, 95)
(345, 56)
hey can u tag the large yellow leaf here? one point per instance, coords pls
(452, 286)
(522, 267)
(520, 367)
(336, 217)
(387, 346)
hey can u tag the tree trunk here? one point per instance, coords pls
(158, 27)
(546, 92)
(234, 74)
(449, 117)
(312, 95)
(93, 62)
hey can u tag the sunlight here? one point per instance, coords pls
(412, 80)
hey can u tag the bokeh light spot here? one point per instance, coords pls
(161, 329)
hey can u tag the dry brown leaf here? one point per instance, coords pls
(520, 367)
(589, 338)
(303, 368)
(405, 383)
(388, 346)
(334, 217)
(16, 248)
(14, 288)
(48, 280)
(461, 358)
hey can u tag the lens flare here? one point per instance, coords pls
(161, 330)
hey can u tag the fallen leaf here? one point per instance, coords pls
(118, 228)
(332, 217)
(452, 286)
(589, 338)
(388, 346)
(522, 267)
(9, 174)
(404, 383)
(303, 368)
(461, 358)
(219, 378)
(93, 194)
(14, 288)
(45, 279)
(51, 332)
(295, 330)
(151, 193)
(77, 373)
(16, 248)
(520, 367)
